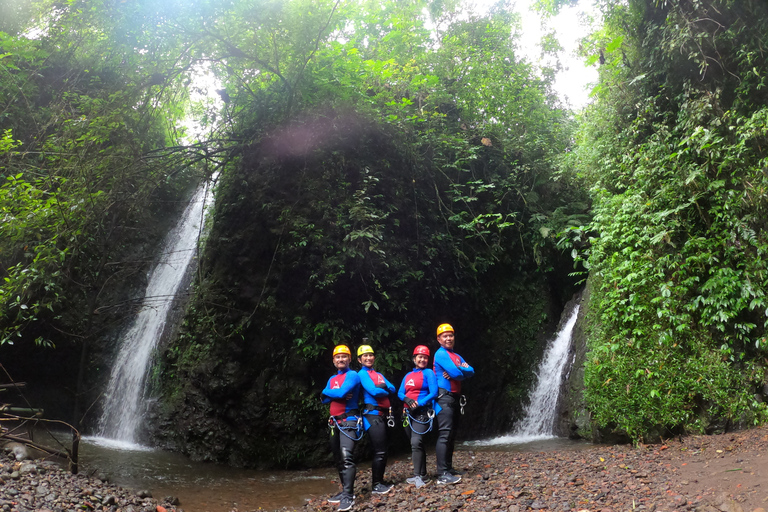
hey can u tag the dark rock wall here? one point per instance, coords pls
(282, 283)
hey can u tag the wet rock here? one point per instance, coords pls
(730, 506)
(28, 469)
(41, 486)
(171, 500)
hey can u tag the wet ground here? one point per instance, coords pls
(724, 473)
(200, 486)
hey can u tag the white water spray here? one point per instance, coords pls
(124, 401)
(539, 420)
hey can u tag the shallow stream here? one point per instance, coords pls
(202, 487)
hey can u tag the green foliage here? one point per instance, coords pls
(78, 120)
(393, 168)
(675, 151)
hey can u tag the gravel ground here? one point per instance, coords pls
(43, 486)
(722, 473)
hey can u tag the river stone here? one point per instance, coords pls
(28, 469)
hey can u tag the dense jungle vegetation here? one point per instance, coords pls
(382, 167)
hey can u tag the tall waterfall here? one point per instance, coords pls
(124, 404)
(539, 420)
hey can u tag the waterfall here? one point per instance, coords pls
(539, 419)
(124, 405)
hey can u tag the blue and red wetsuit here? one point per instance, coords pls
(449, 390)
(421, 386)
(373, 394)
(454, 365)
(376, 391)
(343, 393)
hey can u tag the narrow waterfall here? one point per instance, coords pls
(124, 405)
(539, 420)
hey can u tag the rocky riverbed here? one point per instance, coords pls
(45, 486)
(722, 473)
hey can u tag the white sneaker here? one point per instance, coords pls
(417, 481)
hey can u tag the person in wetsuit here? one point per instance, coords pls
(343, 394)
(418, 391)
(376, 391)
(450, 371)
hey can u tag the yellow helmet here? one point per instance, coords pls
(342, 349)
(364, 349)
(444, 328)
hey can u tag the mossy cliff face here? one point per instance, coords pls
(330, 231)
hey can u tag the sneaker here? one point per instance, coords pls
(417, 481)
(346, 503)
(381, 488)
(448, 479)
(456, 472)
(336, 498)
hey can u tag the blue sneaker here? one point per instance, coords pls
(448, 479)
(381, 488)
(347, 502)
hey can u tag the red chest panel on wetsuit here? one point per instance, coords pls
(377, 379)
(339, 407)
(455, 384)
(415, 386)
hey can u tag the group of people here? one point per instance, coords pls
(429, 396)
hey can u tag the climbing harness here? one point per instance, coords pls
(408, 420)
(358, 428)
(388, 412)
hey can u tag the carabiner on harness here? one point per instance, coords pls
(390, 419)
(462, 403)
(357, 428)
(410, 420)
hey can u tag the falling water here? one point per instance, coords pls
(539, 420)
(124, 404)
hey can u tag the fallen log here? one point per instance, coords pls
(17, 385)
(19, 411)
(50, 451)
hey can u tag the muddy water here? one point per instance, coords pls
(203, 487)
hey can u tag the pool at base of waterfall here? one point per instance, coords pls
(202, 486)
